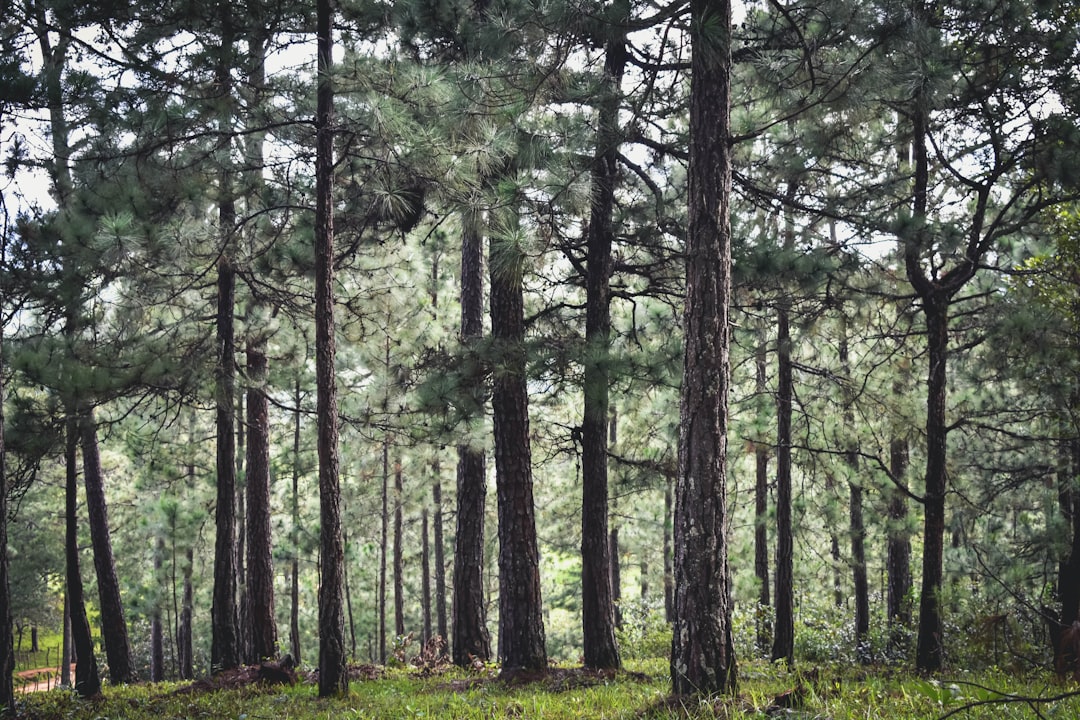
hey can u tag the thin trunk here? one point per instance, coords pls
(784, 627)
(185, 656)
(66, 656)
(425, 579)
(333, 678)
(384, 548)
(599, 571)
(855, 506)
(157, 639)
(761, 515)
(470, 634)
(702, 647)
(261, 629)
(348, 597)
(7, 647)
(898, 606)
(399, 553)
(521, 620)
(87, 680)
(113, 626)
(669, 571)
(243, 638)
(616, 574)
(294, 610)
(440, 554)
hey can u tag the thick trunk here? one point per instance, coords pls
(87, 680)
(66, 651)
(521, 621)
(261, 629)
(599, 592)
(113, 626)
(470, 633)
(929, 654)
(702, 648)
(333, 678)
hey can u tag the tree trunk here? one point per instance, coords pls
(616, 573)
(669, 570)
(399, 552)
(702, 647)
(1069, 568)
(384, 547)
(66, 651)
(929, 654)
(855, 506)
(185, 648)
(333, 678)
(243, 637)
(440, 555)
(113, 626)
(224, 647)
(599, 592)
(761, 515)
(521, 620)
(294, 610)
(262, 623)
(784, 627)
(425, 576)
(87, 680)
(898, 609)
(7, 647)
(470, 633)
(348, 595)
(157, 639)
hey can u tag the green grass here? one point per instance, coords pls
(641, 693)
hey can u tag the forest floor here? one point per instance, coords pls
(38, 679)
(639, 693)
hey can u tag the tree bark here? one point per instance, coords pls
(87, 680)
(399, 554)
(521, 620)
(113, 625)
(440, 555)
(7, 647)
(761, 515)
(294, 609)
(470, 634)
(384, 547)
(855, 505)
(898, 608)
(261, 629)
(157, 639)
(702, 647)
(333, 678)
(599, 592)
(784, 626)
(425, 576)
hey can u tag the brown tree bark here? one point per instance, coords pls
(702, 648)
(784, 625)
(261, 621)
(384, 547)
(333, 678)
(399, 552)
(855, 506)
(157, 635)
(87, 680)
(425, 576)
(442, 627)
(761, 514)
(898, 560)
(469, 628)
(599, 592)
(521, 620)
(113, 625)
(294, 609)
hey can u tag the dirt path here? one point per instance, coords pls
(47, 679)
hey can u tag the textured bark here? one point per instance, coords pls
(261, 621)
(784, 626)
(599, 591)
(384, 548)
(185, 650)
(1069, 568)
(929, 653)
(224, 645)
(669, 571)
(87, 680)
(761, 515)
(7, 647)
(333, 678)
(243, 637)
(66, 650)
(855, 507)
(702, 648)
(113, 625)
(616, 572)
(470, 634)
(521, 620)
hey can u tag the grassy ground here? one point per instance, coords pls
(639, 693)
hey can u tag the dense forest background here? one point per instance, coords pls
(509, 204)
